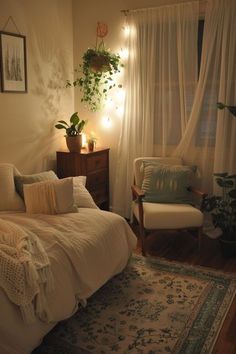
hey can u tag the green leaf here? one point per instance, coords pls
(222, 174)
(224, 182)
(231, 176)
(60, 126)
(63, 122)
(220, 105)
(74, 119)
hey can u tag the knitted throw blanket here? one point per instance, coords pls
(25, 273)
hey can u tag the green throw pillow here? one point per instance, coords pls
(167, 183)
(29, 179)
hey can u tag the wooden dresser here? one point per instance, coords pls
(94, 165)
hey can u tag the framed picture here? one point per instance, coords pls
(13, 62)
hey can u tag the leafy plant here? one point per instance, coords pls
(232, 109)
(95, 74)
(74, 128)
(223, 207)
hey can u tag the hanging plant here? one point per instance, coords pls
(95, 74)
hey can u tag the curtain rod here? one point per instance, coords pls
(127, 11)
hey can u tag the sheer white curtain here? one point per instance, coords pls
(209, 139)
(161, 81)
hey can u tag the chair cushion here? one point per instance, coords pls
(167, 183)
(138, 165)
(169, 216)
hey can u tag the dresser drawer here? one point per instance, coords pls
(96, 178)
(96, 162)
(99, 195)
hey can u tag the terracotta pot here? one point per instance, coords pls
(74, 143)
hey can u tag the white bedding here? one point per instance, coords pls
(99, 246)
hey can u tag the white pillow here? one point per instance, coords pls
(9, 198)
(82, 197)
(50, 197)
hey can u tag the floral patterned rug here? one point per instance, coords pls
(153, 306)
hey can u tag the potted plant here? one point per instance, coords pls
(95, 74)
(223, 211)
(223, 207)
(73, 132)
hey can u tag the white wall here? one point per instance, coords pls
(28, 138)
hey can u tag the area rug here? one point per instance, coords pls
(153, 306)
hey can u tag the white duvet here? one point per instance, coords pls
(85, 250)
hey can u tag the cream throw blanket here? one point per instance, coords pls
(25, 273)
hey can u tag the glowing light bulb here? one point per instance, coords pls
(124, 53)
(106, 121)
(126, 31)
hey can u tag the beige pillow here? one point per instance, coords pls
(82, 197)
(20, 180)
(9, 199)
(50, 197)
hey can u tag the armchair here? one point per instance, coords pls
(169, 215)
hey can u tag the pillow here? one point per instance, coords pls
(167, 183)
(9, 199)
(50, 197)
(82, 197)
(29, 179)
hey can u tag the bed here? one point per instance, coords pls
(84, 250)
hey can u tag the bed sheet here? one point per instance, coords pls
(85, 250)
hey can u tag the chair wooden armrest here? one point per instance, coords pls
(137, 192)
(198, 194)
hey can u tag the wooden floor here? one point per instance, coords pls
(183, 247)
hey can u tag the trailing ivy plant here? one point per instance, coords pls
(95, 74)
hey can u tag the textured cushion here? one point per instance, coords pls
(82, 197)
(169, 216)
(138, 165)
(29, 179)
(167, 183)
(9, 199)
(50, 197)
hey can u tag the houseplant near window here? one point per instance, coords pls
(223, 207)
(95, 75)
(73, 132)
(223, 211)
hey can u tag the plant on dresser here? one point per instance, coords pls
(73, 132)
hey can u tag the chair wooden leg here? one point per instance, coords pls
(142, 238)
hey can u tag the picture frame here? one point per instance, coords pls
(13, 70)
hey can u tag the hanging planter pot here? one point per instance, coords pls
(95, 74)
